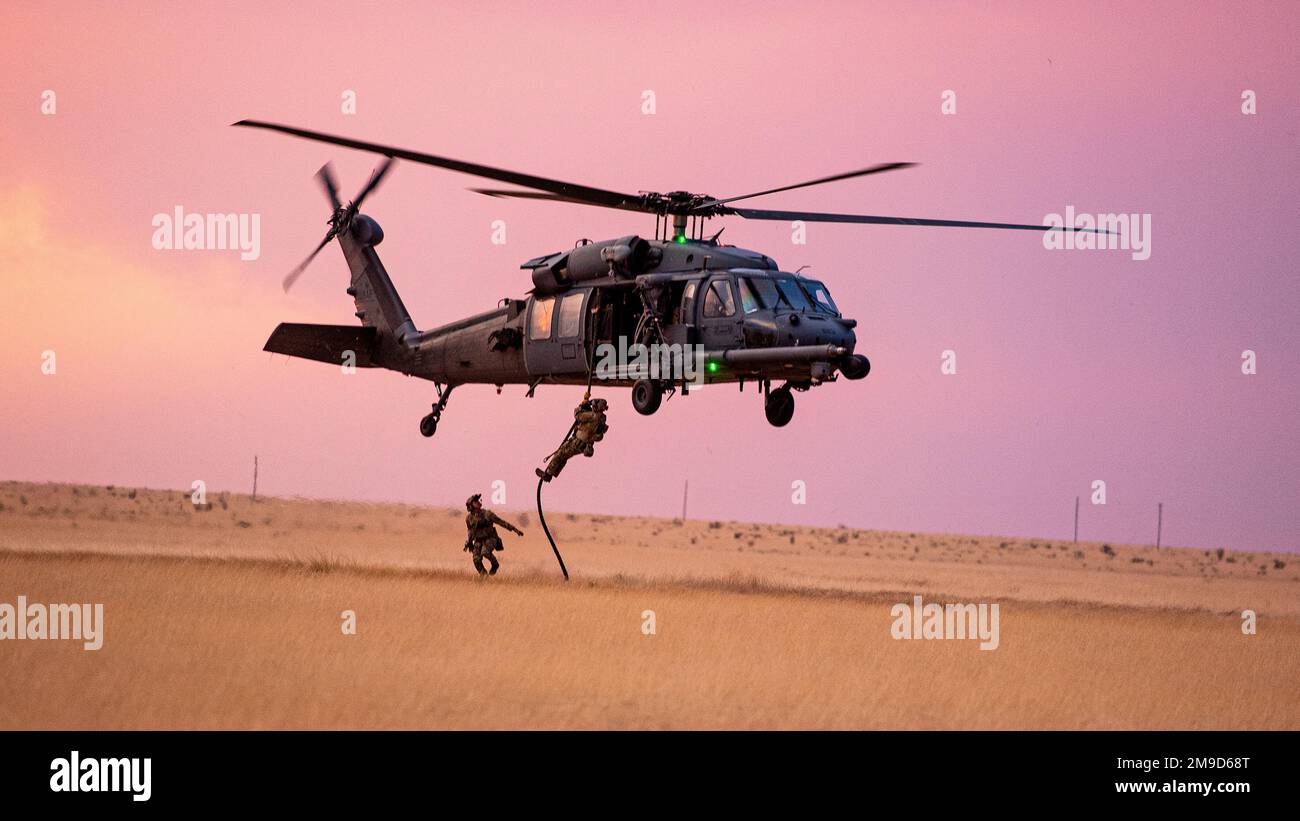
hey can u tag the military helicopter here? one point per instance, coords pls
(753, 321)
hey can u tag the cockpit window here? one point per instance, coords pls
(793, 294)
(821, 297)
(765, 289)
(748, 302)
(717, 300)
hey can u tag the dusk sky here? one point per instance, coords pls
(1072, 365)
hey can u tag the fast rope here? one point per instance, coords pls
(542, 517)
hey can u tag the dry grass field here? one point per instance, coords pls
(231, 618)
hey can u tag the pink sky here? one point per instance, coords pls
(1072, 366)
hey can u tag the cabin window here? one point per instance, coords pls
(570, 316)
(688, 303)
(718, 301)
(540, 326)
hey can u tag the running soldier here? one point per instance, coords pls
(483, 540)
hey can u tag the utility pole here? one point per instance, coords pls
(1160, 521)
(685, 489)
(1076, 519)
(254, 477)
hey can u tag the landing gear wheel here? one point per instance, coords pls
(646, 396)
(429, 425)
(779, 407)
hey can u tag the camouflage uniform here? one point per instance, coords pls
(589, 429)
(483, 539)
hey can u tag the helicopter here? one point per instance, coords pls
(750, 320)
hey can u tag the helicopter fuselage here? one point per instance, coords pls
(717, 300)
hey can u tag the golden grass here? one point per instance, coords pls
(214, 624)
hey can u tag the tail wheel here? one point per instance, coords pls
(779, 407)
(428, 425)
(646, 396)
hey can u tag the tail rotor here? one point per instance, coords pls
(342, 217)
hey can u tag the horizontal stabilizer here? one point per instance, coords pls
(326, 343)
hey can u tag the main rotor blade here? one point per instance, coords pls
(578, 193)
(813, 216)
(541, 195)
(524, 195)
(375, 178)
(875, 169)
(327, 181)
(302, 266)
